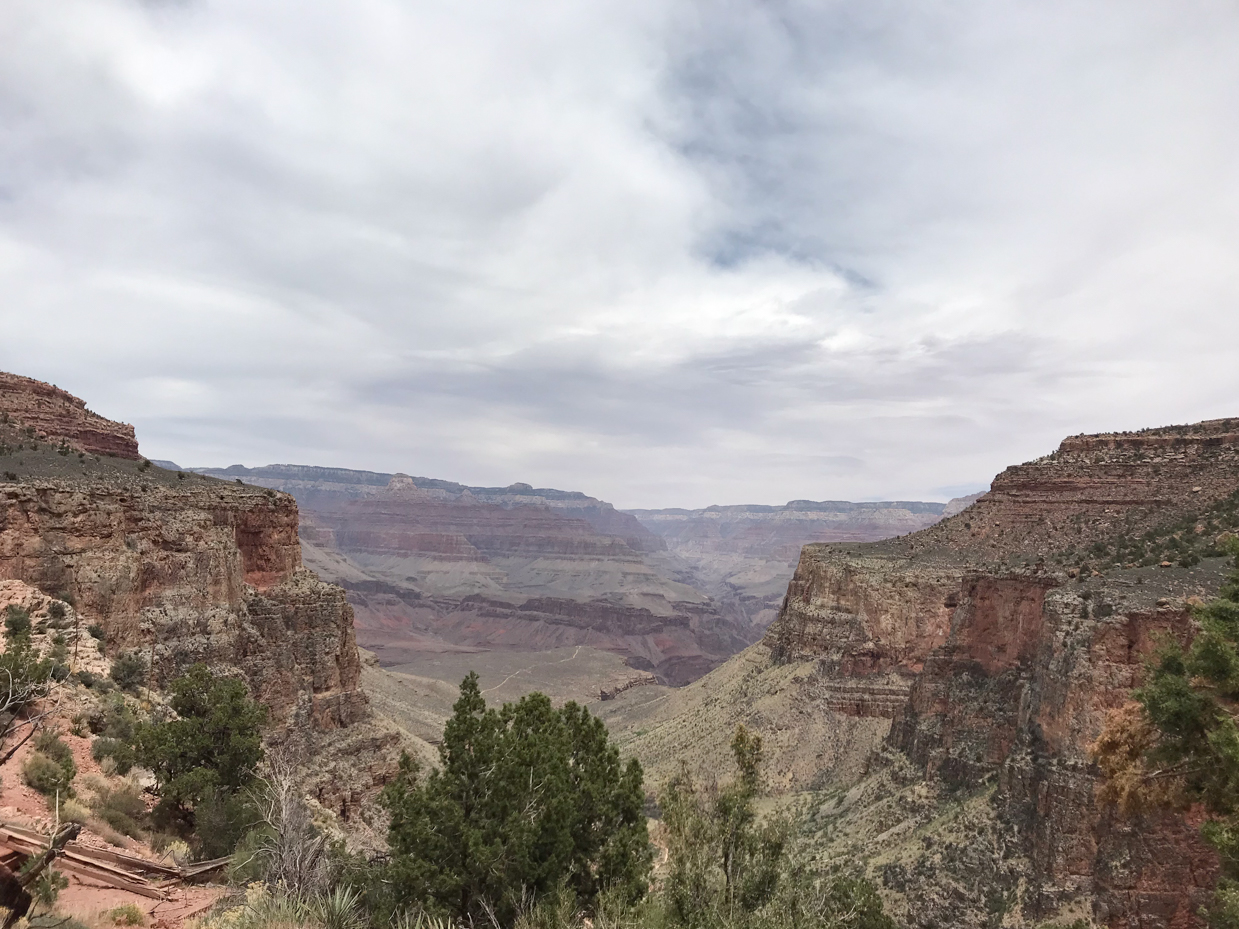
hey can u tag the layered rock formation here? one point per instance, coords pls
(514, 576)
(435, 565)
(325, 490)
(180, 568)
(996, 656)
(46, 412)
(744, 556)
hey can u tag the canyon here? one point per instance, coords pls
(936, 695)
(743, 556)
(927, 682)
(432, 566)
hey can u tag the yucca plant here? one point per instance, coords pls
(338, 909)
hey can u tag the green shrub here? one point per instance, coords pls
(16, 622)
(56, 611)
(210, 751)
(544, 784)
(87, 678)
(73, 812)
(121, 753)
(129, 671)
(50, 744)
(121, 807)
(127, 915)
(221, 820)
(115, 719)
(23, 674)
(47, 887)
(45, 775)
(96, 631)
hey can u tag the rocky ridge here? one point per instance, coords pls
(744, 556)
(435, 565)
(1008, 644)
(43, 411)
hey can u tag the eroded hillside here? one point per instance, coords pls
(744, 556)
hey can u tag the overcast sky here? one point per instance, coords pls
(665, 252)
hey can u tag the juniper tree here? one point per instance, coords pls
(528, 799)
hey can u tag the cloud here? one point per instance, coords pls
(670, 253)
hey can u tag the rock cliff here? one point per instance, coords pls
(42, 411)
(513, 575)
(996, 642)
(936, 694)
(744, 556)
(178, 567)
(432, 565)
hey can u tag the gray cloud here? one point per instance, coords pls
(670, 253)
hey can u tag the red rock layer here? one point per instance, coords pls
(55, 415)
(454, 531)
(1092, 488)
(209, 573)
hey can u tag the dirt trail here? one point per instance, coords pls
(530, 669)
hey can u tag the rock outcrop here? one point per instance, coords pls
(46, 412)
(996, 649)
(515, 576)
(182, 568)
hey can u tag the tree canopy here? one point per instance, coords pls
(212, 747)
(529, 800)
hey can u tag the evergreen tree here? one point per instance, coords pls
(210, 750)
(727, 869)
(527, 799)
(723, 863)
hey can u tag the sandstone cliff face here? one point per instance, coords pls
(53, 414)
(182, 569)
(1091, 488)
(997, 664)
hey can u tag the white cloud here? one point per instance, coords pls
(669, 253)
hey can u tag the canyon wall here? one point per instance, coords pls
(182, 568)
(432, 565)
(996, 655)
(422, 566)
(744, 556)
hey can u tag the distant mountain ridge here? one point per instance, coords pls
(743, 555)
(796, 506)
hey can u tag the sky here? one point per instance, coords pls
(670, 253)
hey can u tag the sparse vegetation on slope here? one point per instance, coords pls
(1179, 744)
